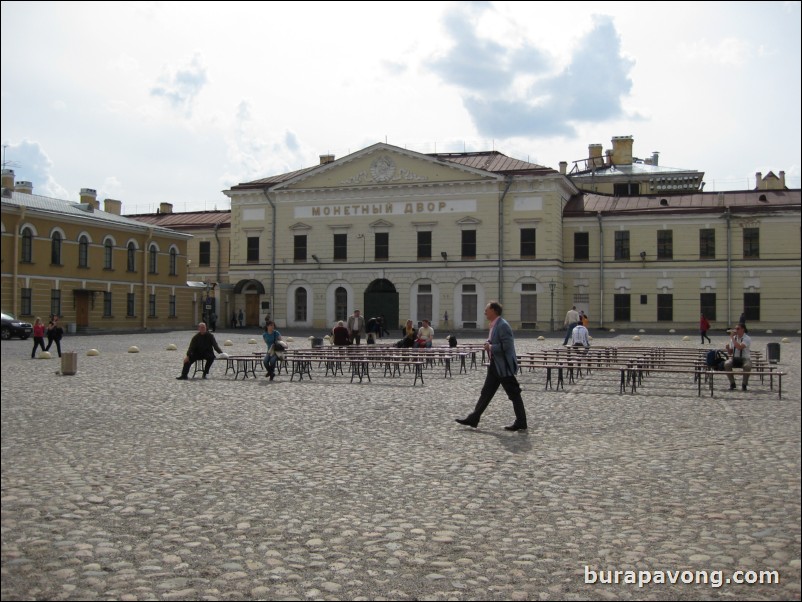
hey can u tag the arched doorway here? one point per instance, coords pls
(251, 291)
(381, 299)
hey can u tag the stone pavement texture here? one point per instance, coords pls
(121, 483)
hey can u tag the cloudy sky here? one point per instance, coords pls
(148, 102)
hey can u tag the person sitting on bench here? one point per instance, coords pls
(738, 348)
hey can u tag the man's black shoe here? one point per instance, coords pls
(732, 387)
(203, 377)
(181, 378)
(514, 427)
(467, 422)
(743, 387)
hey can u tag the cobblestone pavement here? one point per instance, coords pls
(121, 483)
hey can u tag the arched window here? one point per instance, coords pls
(83, 251)
(27, 245)
(152, 256)
(340, 304)
(108, 253)
(131, 257)
(173, 262)
(55, 249)
(300, 304)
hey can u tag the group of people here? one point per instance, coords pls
(53, 331)
(237, 318)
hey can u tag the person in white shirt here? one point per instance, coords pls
(426, 334)
(571, 320)
(579, 336)
(738, 348)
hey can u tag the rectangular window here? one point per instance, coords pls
(469, 244)
(152, 306)
(581, 246)
(108, 249)
(621, 308)
(751, 243)
(528, 305)
(55, 302)
(172, 306)
(340, 247)
(528, 243)
(665, 244)
(107, 304)
(424, 245)
(626, 189)
(622, 245)
(253, 249)
(26, 299)
(665, 308)
(130, 309)
(470, 306)
(707, 244)
(751, 307)
(205, 254)
(381, 246)
(707, 305)
(299, 248)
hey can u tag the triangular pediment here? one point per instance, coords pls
(381, 223)
(469, 221)
(300, 226)
(384, 164)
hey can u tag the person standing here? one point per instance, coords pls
(38, 336)
(742, 320)
(271, 337)
(54, 334)
(240, 317)
(213, 321)
(233, 319)
(201, 347)
(500, 346)
(704, 326)
(571, 320)
(356, 327)
(738, 348)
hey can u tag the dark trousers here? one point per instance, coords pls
(570, 330)
(37, 341)
(355, 338)
(209, 361)
(511, 387)
(704, 336)
(58, 345)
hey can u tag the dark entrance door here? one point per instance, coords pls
(381, 299)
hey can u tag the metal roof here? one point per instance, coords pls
(80, 211)
(633, 169)
(587, 204)
(186, 221)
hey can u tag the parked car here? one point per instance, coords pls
(15, 328)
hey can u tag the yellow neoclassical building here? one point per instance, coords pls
(406, 235)
(95, 268)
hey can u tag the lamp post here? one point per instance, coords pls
(552, 286)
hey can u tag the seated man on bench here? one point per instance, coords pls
(738, 348)
(201, 347)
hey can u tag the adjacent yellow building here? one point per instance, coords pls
(95, 268)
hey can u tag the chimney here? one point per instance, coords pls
(758, 180)
(622, 150)
(89, 196)
(112, 206)
(563, 167)
(609, 154)
(8, 179)
(325, 159)
(595, 154)
(23, 186)
(166, 208)
(655, 157)
(782, 179)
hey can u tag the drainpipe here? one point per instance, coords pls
(501, 240)
(728, 217)
(601, 270)
(15, 281)
(219, 254)
(272, 255)
(145, 268)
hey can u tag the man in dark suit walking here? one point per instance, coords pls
(500, 345)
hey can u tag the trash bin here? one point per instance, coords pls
(773, 353)
(69, 362)
(317, 342)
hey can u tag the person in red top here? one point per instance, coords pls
(38, 336)
(704, 326)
